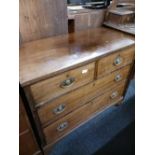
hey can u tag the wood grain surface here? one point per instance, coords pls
(48, 57)
(51, 88)
(107, 64)
(42, 18)
(79, 97)
(81, 114)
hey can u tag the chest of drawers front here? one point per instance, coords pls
(65, 101)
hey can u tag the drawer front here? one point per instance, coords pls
(58, 85)
(63, 126)
(115, 61)
(66, 103)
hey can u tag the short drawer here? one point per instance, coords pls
(115, 61)
(58, 85)
(68, 102)
(65, 125)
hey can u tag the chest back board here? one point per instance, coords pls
(42, 18)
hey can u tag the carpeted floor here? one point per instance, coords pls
(94, 135)
(122, 143)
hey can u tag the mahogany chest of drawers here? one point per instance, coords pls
(70, 79)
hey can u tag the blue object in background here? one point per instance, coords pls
(76, 2)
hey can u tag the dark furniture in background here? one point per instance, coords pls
(85, 19)
(28, 144)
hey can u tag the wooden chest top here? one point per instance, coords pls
(48, 57)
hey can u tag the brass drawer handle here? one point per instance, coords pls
(67, 83)
(118, 60)
(118, 77)
(59, 109)
(114, 95)
(62, 126)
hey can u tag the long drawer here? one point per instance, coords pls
(115, 61)
(68, 102)
(63, 126)
(63, 83)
